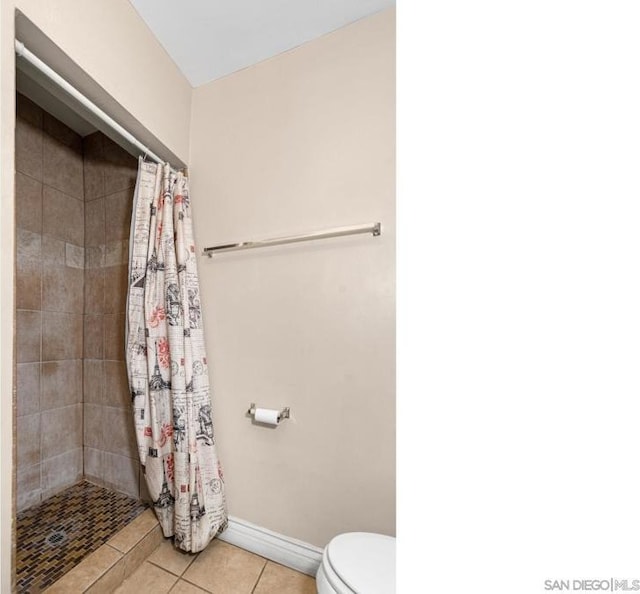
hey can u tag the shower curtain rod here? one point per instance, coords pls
(52, 75)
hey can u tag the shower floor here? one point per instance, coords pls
(56, 535)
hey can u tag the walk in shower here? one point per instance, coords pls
(77, 461)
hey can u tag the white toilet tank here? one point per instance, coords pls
(360, 563)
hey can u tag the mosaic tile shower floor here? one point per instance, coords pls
(56, 535)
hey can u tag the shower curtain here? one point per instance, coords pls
(167, 363)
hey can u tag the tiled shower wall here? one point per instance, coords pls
(72, 218)
(49, 288)
(110, 454)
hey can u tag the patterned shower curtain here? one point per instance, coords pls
(167, 363)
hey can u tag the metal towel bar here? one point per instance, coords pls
(374, 229)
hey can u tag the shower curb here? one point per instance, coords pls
(107, 567)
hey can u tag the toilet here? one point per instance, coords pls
(358, 562)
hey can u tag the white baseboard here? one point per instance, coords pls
(287, 551)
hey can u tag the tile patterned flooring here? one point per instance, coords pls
(220, 569)
(84, 513)
(56, 535)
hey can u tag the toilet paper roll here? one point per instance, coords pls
(269, 416)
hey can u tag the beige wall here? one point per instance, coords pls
(302, 142)
(130, 72)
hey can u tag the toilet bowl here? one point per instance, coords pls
(358, 563)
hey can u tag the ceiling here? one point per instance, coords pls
(209, 39)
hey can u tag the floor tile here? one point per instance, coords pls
(170, 558)
(88, 572)
(126, 539)
(182, 587)
(225, 569)
(147, 579)
(277, 579)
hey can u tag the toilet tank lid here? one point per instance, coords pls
(364, 561)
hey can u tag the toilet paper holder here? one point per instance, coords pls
(283, 414)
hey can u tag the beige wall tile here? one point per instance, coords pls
(93, 465)
(117, 252)
(148, 578)
(61, 132)
(110, 429)
(53, 251)
(93, 166)
(114, 327)
(95, 429)
(61, 472)
(28, 483)
(62, 167)
(28, 269)
(94, 297)
(28, 388)
(28, 246)
(221, 567)
(121, 473)
(92, 145)
(134, 532)
(94, 382)
(121, 438)
(171, 558)
(61, 336)
(95, 256)
(28, 111)
(115, 289)
(74, 256)
(28, 203)
(95, 223)
(61, 431)
(28, 335)
(62, 289)
(93, 337)
(62, 215)
(28, 284)
(28, 437)
(277, 578)
(118, 208)
(116, 385)
(121, 168)
(28, 152)
(61, 383)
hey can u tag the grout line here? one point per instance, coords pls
(35, 179)
(41, 181)
(259, 577)
(194, 584)
(171, 572)
(81, 200)
(106, 544)
(157, 565)
(40, 452)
